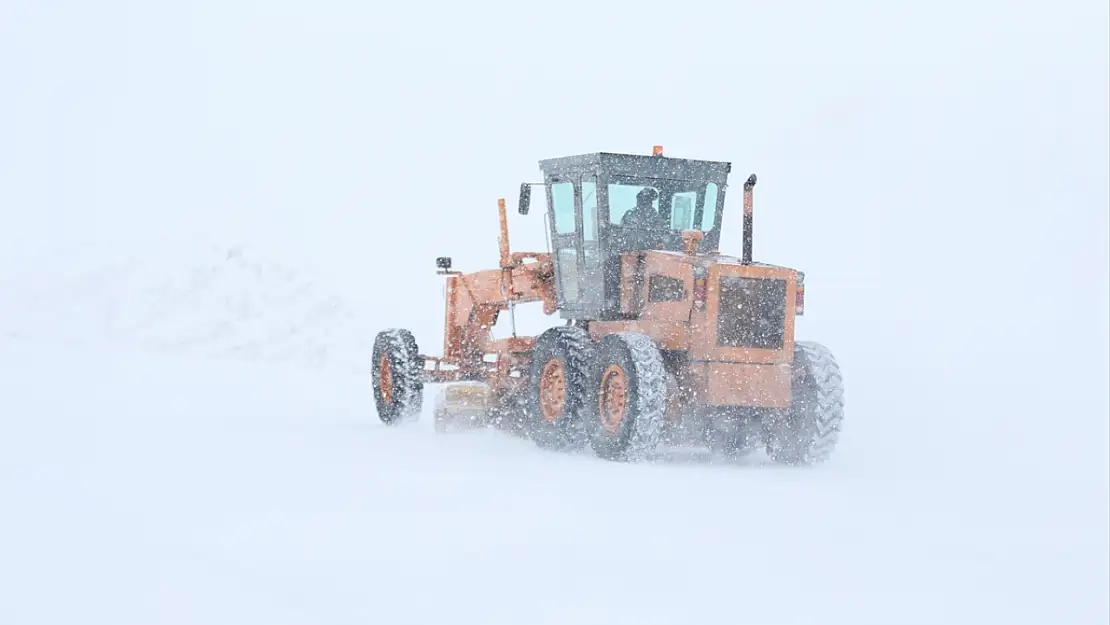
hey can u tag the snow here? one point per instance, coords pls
(190, 481)
(209, 210)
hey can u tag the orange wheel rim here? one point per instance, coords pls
(553, 390)
(385, 379)
(612, 401)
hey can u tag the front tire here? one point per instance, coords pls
(627, 398)
(808, 431)
(397, 376)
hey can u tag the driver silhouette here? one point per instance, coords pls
(644, 216)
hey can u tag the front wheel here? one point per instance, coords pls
(807, 432)
(627, 399)
(397, 376)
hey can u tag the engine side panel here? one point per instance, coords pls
(657, 286)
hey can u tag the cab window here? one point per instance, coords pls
(562, 197)
(622, 198)
(709, 209)
(682, 210)
(589, 208)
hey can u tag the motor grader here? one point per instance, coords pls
(662, 339)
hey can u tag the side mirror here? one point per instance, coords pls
(525, 198)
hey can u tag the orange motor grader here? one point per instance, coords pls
(665, 340)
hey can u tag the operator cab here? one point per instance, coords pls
(601, 205)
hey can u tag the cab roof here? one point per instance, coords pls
(637, 165)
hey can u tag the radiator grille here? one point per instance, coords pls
(752, 313)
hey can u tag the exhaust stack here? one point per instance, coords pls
(748, 186)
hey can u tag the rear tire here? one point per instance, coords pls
(397, 376)
(556, 387)
(627, 398)
(808, 431)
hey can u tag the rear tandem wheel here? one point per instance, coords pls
(556, 388)
(808, 431)
(627, 404)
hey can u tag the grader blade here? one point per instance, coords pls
(463, 406)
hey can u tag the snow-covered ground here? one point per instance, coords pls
(208, 209)
(231, 477)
